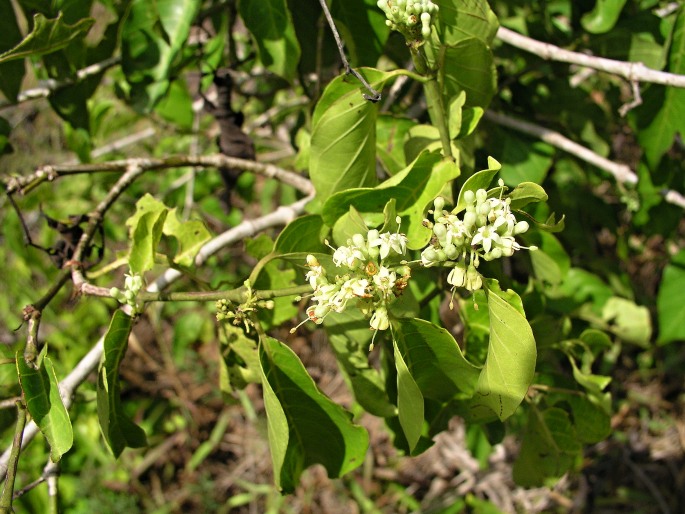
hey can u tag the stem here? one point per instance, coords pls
(436, 108)
(7, 492)
(234, 295)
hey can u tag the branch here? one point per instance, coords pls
(52, 85)
(87, 364)
(53, 172)
(631, 71)
(621, 172)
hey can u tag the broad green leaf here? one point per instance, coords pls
(550, 261)
(525, 193)
(119, 431)
(479, 180)
(594, 385)
(662, 115)
(177, 106)
(465, 19)
(628, 321)
(44, 403)
(413, 189)
(409, 401)
(469, 66)
(348, 225)
(510, 363)
(434, 360)
(523, 159)
(349, 337)
(145, 227)
(455, 110)
(239, 363)
(362, 26)
(277, 275)
(343, 143)
(272, 28)
(305, 426)
(670, 301)
(593, 424)
(11, 73)
(152, 38)
(603, 16)
(190, 236)
(549, 448)
(470, 117)
(390, 135)
(47, 36)
(305, 234)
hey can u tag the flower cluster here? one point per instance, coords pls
(132, 286)
(366, 278)
(486, 232)
(405, 15)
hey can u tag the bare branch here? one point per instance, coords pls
(281, 216)
(621, 172)
(53, 85)
(53, 172)
(631, 71)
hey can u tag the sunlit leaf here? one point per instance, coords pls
(603, 16)
(469, 66)
(671, 301)
(44, 403)
(47, 36)
(409, 401)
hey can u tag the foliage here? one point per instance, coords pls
(537, 256)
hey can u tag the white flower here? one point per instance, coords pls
(486, 236)
(316, 274)
(349, 257)
(379, 320)
(385, 280)
(388, 241)
(457, 276)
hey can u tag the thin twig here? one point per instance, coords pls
(53, 172)
(621, 172)
(52, 85)
(631, 71)
(281, 216)
(13, 460)
(375, 96)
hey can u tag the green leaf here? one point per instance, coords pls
(152, 38)
(349, 224)
(145, 228)
(550, 261)
(658, 124)
(413, 189)
(479, 180)
(523, 159)
(349, 337)
(525, 193)
(603, 16)
(390, 135)
(409, 401)
(343, 143)
(11, 73)
(190, 236)
(628, 321)
(305, 426)
(44, 403)
(469, 66)
(670, 301)
(272, 28)
(465, 19)
(5, 129)
(47, 36)
(592, 422)
(434, 359)
(549, 448)
(510, 363)
(239, 363)
(362, 26)
(119, 431)
(305, 234)
(455, 110)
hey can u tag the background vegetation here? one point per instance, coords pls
(139, 94)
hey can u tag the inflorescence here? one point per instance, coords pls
(412, 18)
(486, 232)
(367, 278)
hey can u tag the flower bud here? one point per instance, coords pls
(469, 197)
(521, 227)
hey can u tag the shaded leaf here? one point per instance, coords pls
(44, 403)
(409, 402)
(465, 19)
(305, 426)
(671, 301)
(479, 180)
(11, 73)
(304, 234)
(390, 135)
(362, 26)
(119, 431)
(603, 16)
(47, 36)
(469, 66)
(270, 24)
